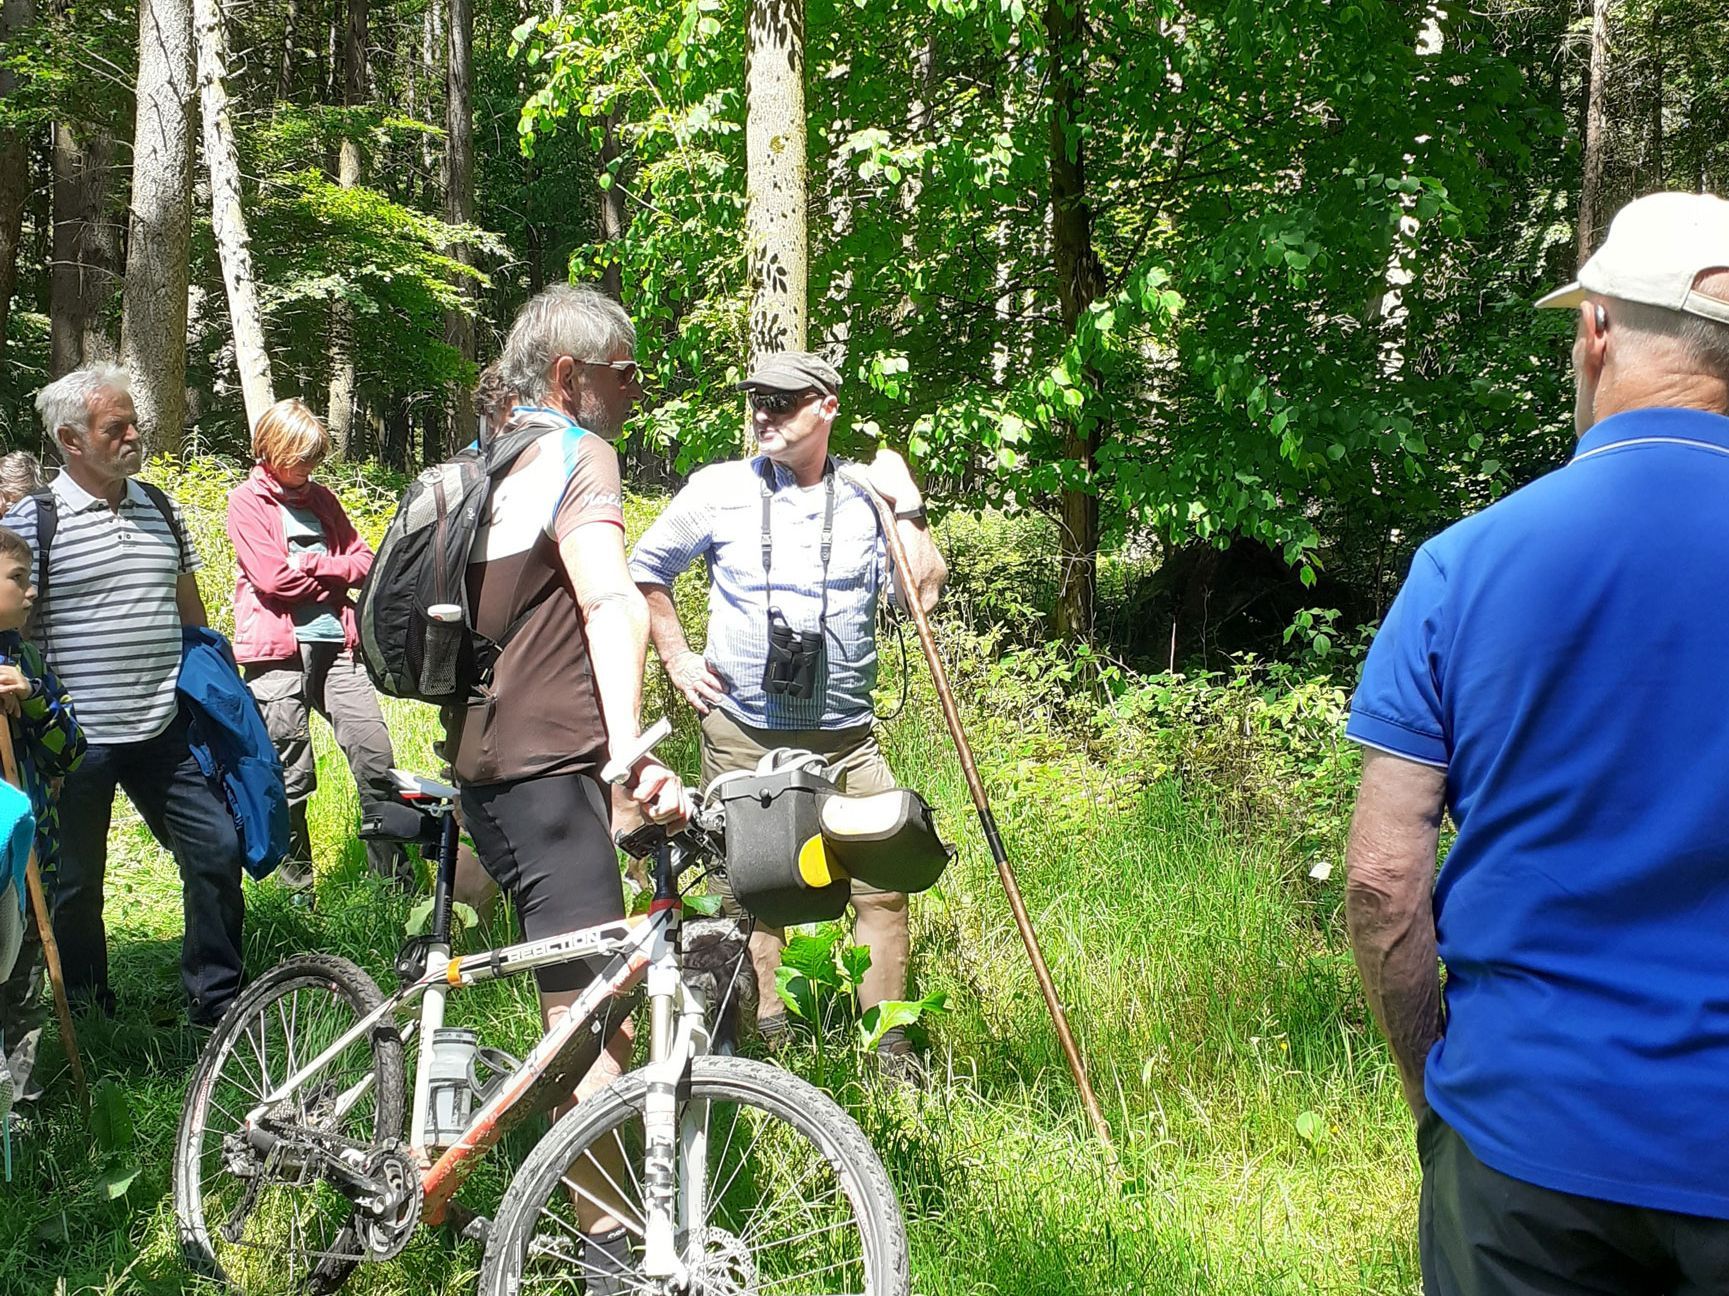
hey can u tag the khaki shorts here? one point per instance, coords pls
(855, 761)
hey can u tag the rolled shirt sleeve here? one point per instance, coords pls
(682, 533)
(1397, 706)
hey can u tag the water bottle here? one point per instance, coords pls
(451, 1086)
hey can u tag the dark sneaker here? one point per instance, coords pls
(898, 1062)
(607, 1265)
(774, 1031)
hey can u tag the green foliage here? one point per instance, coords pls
(819, 978)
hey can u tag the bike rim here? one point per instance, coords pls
(284, 1224)
(781, 1216)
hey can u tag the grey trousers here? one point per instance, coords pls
(328, 679)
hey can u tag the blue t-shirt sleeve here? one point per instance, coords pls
(678, 536)
(1397, 705)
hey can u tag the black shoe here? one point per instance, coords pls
(897, 1061)
(607, 1264)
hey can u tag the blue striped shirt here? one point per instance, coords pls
(718, 517)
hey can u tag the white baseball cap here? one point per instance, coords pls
(1657, 246)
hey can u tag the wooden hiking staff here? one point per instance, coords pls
(987, 820)
(45, 930)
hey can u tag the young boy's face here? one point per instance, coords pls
(16, 592)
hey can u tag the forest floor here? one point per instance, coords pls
(1264, 1147)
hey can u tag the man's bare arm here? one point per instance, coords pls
(1389, 905)
(190, 601)
(929, 572)
(689, 672)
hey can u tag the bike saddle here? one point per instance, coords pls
(413, 786)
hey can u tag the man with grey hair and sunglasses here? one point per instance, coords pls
(116, 589)
(1553, 675)
(548, 583)
(794, 554)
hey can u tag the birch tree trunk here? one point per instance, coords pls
(14, 161)
(159, 239)
(776, 240)
(227, 217)
(459, 189)
(1591, 188)
(1080, 279)
(340, 411)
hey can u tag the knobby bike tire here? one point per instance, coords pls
(782, 1096)
(192, 1180)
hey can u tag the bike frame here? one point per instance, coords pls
(678, 1032)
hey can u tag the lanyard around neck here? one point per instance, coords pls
(765, 480)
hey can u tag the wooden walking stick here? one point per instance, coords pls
(45, 930)
(1005, 870)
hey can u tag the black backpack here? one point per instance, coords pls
(422, 569)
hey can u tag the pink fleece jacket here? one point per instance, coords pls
(267, 589)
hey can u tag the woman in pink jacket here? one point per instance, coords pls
(300, 562)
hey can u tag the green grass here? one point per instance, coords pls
(1205, 977)
(1163, 847)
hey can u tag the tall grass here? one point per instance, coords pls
(1166, 870)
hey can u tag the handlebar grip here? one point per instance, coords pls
(618, 769)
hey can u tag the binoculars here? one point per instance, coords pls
(793, 658)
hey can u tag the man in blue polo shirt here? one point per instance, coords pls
(1555, 675)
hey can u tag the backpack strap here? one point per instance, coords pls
(157, 497)
(47, 522)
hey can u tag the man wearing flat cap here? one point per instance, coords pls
(1555, 676)
(795, 555)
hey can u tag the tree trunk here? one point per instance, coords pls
(285, 65)
(86, 246)
(159, 240)
(227, 217)
(14, 163)
(1591, 188)
(1080, 279)
(1654, 155)
(340, 412)
(459, 190)
(612, 208)
(776, 240)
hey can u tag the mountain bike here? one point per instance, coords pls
(293, 1163)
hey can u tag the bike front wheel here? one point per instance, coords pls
(271, 1222)
(794, 1200)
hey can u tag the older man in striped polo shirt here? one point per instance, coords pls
(118, 586)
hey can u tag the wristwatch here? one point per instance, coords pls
(914, 514)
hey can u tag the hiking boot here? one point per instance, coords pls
(898, 1062)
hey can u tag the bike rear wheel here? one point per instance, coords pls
(268, 1222)
(797, 1202)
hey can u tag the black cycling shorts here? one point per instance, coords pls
(548, 845)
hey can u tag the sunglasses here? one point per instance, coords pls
(628, 371)
(777, 402)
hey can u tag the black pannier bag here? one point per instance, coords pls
(793, 844)
(770, 819)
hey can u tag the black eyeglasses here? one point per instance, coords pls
(628, 371)
(778, 402)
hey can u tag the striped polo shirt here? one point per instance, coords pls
(110, 626)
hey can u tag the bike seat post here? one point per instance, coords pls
(444, 877)
(665, 872)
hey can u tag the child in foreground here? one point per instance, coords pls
(48, 744)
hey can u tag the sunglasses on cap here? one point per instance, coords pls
(779, 402)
